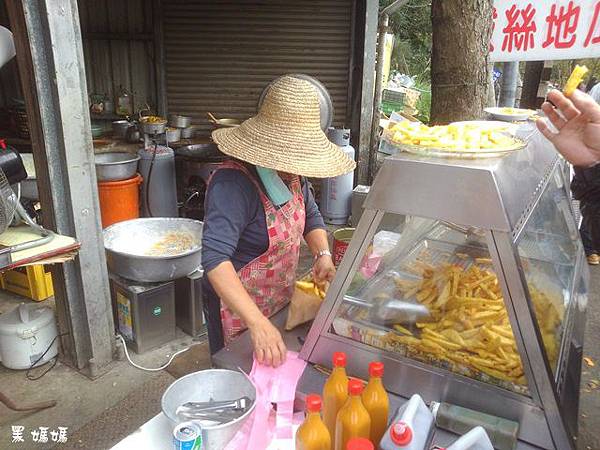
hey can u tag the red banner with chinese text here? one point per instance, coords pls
(530, 30)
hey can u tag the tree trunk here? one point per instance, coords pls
(459, 59)
(531, 84)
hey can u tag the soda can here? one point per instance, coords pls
(187, 436)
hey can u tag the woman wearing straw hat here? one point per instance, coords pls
(258, 209)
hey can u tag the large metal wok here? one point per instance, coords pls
(153, 249)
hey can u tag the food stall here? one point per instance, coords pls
(490, 248)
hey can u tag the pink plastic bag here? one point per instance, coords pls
(273, 386)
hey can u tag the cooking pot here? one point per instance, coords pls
(177, 121)
(133, 134)
(120, 128)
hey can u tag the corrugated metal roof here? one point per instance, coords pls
(221, 55)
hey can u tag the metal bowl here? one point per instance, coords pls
(201, 152)
(115, 166)
(130, 246)
(120, 128)
(204, 386)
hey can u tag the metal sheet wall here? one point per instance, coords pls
(118, 46)
(220, 55)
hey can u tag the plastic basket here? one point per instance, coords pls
(34, 282)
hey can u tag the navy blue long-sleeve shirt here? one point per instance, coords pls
(235, 227)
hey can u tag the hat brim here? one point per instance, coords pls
(308, 154)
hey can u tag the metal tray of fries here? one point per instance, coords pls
(463, 153)
(469, 333)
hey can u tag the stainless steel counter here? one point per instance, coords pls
(238, 354)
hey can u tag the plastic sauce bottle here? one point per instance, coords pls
(313, 434)
(376, 401)
(411, 428)
(476, 439)
(335, 392)
(353, 420)
(360, 444)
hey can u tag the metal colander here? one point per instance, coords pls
(8, 203)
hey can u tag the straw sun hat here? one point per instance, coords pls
(286, 134)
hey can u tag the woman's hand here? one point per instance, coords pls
(323, 270)
(269, 348)
(578, 125)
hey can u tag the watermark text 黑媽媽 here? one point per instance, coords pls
(39, 435)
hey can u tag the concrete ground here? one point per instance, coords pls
(99, 413)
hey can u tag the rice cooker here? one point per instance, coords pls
(26, 333)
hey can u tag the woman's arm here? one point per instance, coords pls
(323, 267)
(268, 344)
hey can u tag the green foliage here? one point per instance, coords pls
(411, 26)
(562, 69)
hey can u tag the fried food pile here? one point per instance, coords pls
(153, 119)
(453, 137)
(311, 288)
(470, 325)
(172, 244)
(575, 79)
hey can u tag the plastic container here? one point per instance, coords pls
(26, 333)
(476, 439)
(360, 444)
(411, 428)
(502, 432)
(33, 282)
(376, 401)
(159, 190)
(353, 420)
(336, 193)
(335, 392)
(313, 434)
(119, 200)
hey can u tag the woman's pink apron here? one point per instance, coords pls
(269, 279)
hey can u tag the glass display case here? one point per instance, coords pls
(467, 278)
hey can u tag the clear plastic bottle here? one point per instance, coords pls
(335, 392)
(353, 420)
(476, 439)
(313, 434)
(376, 401)
(411, 428)
(502, 432)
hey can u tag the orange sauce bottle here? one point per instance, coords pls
(360, 444)
(353, 420)
(376, 402)
(313, 434)
(335, 392)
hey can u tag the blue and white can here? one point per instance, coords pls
(187, 436)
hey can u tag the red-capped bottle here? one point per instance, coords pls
(313, 434)
(335, 392)
(360, 444)
(377, 402)
(353, 420)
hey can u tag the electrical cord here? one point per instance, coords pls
(149, 178)
(28, 373)
(153, 369)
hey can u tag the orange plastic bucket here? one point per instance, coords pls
(119, 200)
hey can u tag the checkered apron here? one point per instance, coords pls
(269, 278)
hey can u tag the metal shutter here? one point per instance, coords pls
(221, 54)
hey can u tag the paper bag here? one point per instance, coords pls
(303, 308)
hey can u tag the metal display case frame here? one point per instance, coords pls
(499, 196)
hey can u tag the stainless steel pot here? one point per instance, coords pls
(187, 133)
(204, 386)
(177, 121)
(133, 134)
(115, 166)
(152, 127)
(131, 248)
(120, 128)
(173, 134)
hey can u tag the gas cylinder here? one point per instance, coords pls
(336, 193)
(159, 191)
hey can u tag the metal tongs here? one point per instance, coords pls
(392, 311)
(219, 412)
